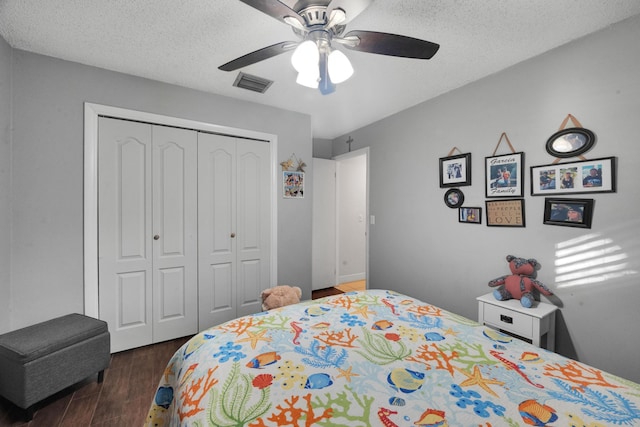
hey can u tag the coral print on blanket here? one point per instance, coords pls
(380, 358)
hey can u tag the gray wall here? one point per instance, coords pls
(417, 246)
(322, 148)
(47, 181)
(5, 185)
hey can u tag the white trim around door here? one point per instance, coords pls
(91, 114)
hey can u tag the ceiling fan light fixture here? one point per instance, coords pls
(306, 56)
(337, 17)
(340, 68)
(308, 78)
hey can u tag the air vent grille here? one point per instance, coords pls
(253, 83)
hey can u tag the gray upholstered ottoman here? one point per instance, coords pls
(43, 359)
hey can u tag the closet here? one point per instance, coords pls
(183, 229)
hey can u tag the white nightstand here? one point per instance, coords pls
(510, 316)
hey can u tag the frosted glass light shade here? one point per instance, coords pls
(305, 57)
(309, 78)
(340, 68)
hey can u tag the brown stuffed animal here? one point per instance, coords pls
(279, 296)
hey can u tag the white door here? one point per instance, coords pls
(147, 226)
(124, 232)
(323, 266)
(175, 227)
(351, 196)
(234, 226)
(253, 222)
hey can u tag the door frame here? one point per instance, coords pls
(351, 154)
(90, 215)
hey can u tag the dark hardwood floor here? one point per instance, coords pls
(321, 293)
(121, 400)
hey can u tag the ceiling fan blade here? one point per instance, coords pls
(389, 44)
(275, 9)
(258, 55)
(352, 8)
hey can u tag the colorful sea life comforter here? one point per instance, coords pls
(379, 358)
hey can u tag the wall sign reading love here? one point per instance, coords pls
(505, 213)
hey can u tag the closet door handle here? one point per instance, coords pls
(156, 237)
(233, 235)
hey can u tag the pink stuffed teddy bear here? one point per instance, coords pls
(519, 284)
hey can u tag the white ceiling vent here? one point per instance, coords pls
(254, 83)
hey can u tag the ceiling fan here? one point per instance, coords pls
(319, 23)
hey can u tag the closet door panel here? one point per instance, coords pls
(254, 222)
(175, 226)
(124, 249)
(217, 229)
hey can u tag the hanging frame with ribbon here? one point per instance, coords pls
(455, 170)
(570, 141)
(504, 174)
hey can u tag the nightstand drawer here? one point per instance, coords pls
(509, 320)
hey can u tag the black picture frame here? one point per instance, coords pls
(570, 142)
(470, 215)
(504, 175)
(455, 171)
(505, 213)
(585, 176)
(454, 198)
(568, 212)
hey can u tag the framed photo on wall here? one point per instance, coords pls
(455, 171)
(505, 213)
(504, 175)
(568, 212)
(293, 184)
(453, 198)
(470, 215)
(586, 176)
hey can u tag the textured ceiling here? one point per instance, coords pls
(184, 41)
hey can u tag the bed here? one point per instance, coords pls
(379, 358)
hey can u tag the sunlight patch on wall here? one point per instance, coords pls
(589, 259)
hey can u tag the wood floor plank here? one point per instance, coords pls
(122, 399)
(52, 410)
(79, 412)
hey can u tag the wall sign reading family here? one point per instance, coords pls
(505, 213)
(587, 176)
(503, 175)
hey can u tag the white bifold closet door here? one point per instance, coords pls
(234, 220)
(147, 227)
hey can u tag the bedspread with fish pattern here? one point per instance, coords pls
(379, 358)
